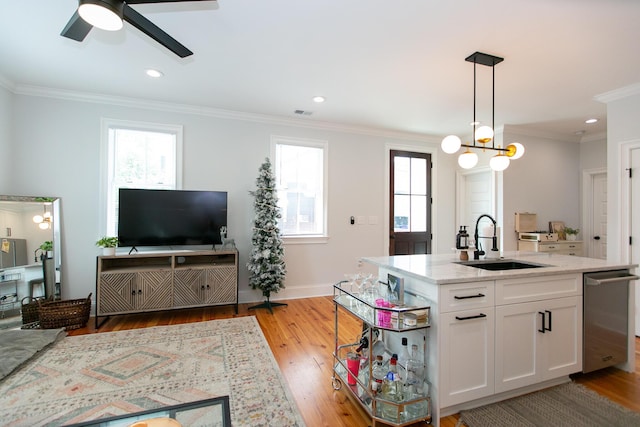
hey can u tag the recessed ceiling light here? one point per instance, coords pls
(154, 73)
(590, 121)
(318, 99)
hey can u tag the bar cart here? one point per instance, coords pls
(382, 327)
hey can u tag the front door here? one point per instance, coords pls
(410, 203)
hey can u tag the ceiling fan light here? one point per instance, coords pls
(468, 159)
(516, 150)
(450, 144)
(499, 162)
(103, 14)
(484, 134)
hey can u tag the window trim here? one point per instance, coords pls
(324, 146)
(105, 125)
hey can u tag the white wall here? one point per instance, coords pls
(56, 153)
(623, 126)
(545, 181)
(6, 113)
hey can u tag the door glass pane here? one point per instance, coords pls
(418, 213)
(401, 175)
(401, 213)
(418, 176)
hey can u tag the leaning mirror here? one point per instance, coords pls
(30, 256)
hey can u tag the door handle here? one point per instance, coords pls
(544, 322)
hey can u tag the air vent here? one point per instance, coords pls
(303, 112)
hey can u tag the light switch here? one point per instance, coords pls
(361, 220)
(373, 220)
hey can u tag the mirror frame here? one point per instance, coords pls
(56, 228)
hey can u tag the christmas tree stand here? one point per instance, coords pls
(268, 304)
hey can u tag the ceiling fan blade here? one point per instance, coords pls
(77, 28)
(161, 1)
(153, 31)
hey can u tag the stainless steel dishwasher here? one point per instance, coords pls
(606, 319)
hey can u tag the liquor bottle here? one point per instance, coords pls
(378, 375)
(392, 390)
(403, 359)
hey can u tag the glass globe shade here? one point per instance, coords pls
(451, 144)
(467, 160)
(38, 219)
(517, 149)
(43, 225)
(499, 162)
(100, 16)
(484, 134)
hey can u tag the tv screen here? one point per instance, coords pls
(170, 217)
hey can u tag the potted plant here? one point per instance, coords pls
(47, 249)
(109, 244)
(571, 233)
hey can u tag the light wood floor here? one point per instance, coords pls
(301, 336)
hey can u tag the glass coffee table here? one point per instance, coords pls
(214, 412)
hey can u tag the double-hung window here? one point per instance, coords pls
(138, 155)
(301, 182)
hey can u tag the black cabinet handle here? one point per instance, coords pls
(469, 296)
(544, 322)
(479, 316)
(133, 292)
(596, 237)
(139, 291)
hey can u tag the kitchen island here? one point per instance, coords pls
(497, 334)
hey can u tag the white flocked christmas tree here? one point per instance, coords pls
(266, 263)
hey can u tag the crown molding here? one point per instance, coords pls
(98, 98)
(617, 94)
(600, 136)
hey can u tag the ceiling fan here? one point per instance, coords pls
(109, 15)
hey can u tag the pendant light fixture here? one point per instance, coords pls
(44, 220)
(483, 135)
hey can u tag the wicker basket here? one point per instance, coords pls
(68, 314)
(29, 308)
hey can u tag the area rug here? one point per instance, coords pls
(567, 405)
(87, 377)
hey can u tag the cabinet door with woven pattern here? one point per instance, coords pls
(154, 289)
(116, 293)
(189, 284)
(221, 286)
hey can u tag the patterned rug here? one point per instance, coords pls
(92, 376)
(566, 405)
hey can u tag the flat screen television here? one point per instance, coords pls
(170, 217)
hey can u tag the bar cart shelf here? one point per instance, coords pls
(410, 317)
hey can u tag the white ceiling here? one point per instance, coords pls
(396, 65)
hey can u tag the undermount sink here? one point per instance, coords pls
(503, 264)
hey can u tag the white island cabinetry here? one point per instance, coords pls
(497, 334)
(538, 330)
(467, 342)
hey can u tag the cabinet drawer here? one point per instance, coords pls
(563, 247)
(511, 291)
(466, 296)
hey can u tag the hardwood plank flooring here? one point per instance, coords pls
(301, 337)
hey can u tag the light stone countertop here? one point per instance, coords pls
(444, 268)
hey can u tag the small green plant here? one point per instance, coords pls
(107, 242)
(569, 230)
(47, 246)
